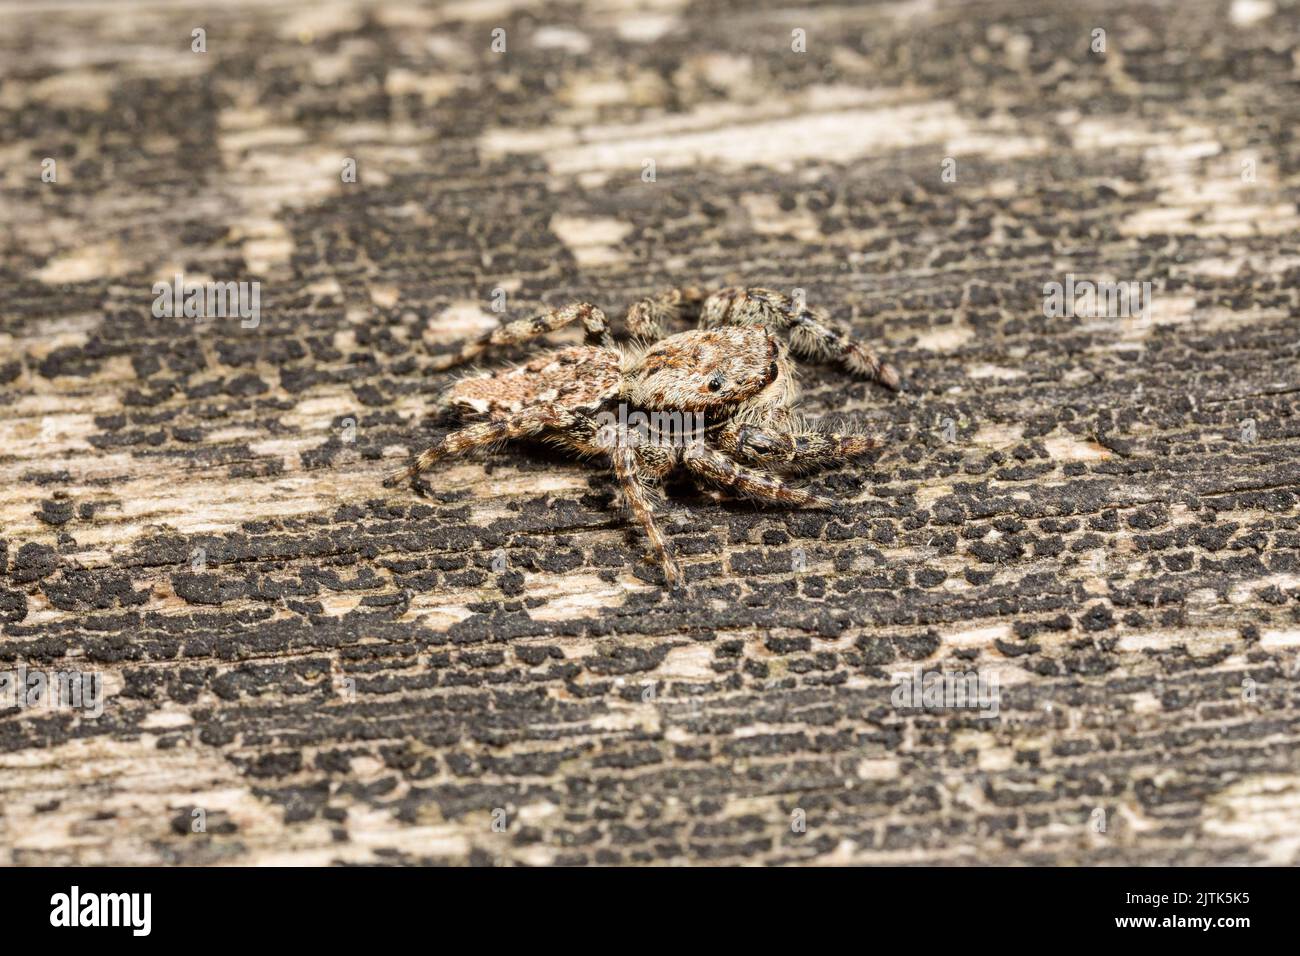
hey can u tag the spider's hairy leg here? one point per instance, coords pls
(812, 334)
(649, 318)
(755, 483)
(798, 449)
(530, 421)
(522, 330)
(631, 469)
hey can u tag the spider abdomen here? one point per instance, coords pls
(581, 377)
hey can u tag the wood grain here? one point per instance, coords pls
(1100, 513)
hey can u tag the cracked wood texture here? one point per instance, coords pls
(1101, 513)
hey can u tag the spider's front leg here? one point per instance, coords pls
(522, 330)
(755, 483)
(635, 470)
(811, 333)
(649, 319)
(530, 421)
(793, 450)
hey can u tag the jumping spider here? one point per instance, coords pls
(733, 370)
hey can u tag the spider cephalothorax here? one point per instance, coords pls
(715, 400)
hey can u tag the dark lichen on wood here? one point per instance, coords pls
(1103, 513)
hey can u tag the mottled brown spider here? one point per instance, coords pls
(731, 379)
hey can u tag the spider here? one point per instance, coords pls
(731, 380)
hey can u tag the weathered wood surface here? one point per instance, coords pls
(1114, 530)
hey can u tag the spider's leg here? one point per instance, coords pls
(750, 482)
(798, 449)
(811, 333)
(530, 421)
(649, 319)
(522, 330)
(639, 496)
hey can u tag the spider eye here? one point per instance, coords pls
(715, 382)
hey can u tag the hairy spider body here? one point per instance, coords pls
(579, 378)
(731, 381)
